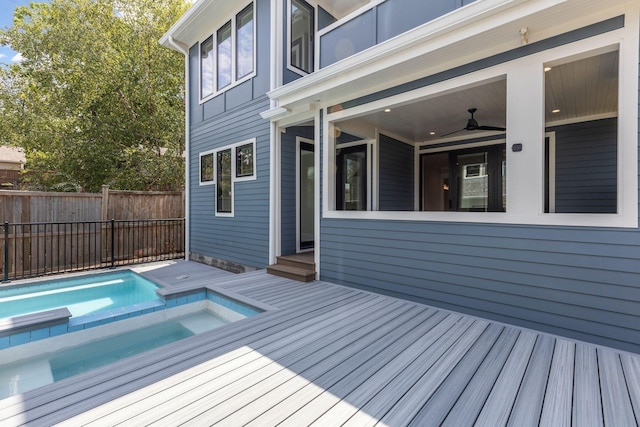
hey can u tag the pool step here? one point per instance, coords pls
(300, 267)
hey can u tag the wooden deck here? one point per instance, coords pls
(331, 355)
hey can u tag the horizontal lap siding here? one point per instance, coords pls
(575, 282)
(244, 238)
(586, 167)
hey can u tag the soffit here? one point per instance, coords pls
(200, 20)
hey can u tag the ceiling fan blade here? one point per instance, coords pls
(491, 128)
(451, 133)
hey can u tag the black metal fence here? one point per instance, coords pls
(38, 249)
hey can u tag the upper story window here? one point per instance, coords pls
(227, 57)
(301, 31)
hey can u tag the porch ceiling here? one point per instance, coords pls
(567, 90)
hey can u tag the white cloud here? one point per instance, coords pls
(2, 55)
(17, 57)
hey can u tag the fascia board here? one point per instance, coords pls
(200, 19)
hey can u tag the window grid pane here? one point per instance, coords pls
(224, 56)
(301, 36)
(223, 191)
(244, 161)
(206, 168)
(206, 68)
(244, 40)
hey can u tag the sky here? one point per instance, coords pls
(6, 15)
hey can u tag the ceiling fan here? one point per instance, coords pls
(472, 124)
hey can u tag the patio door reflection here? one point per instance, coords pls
(351, 179)
(306, 198)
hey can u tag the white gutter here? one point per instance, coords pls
(180, 48)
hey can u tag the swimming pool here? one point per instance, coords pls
(37, 364)
(82, 295)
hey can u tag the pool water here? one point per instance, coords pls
(30, 373)
(82, 296)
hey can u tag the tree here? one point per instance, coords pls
(96, 100)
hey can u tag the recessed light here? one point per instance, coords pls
(387, 110)
(555, 111)
(547, 69)
(432, 133)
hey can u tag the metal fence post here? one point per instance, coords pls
(113, 241)
(6, 252)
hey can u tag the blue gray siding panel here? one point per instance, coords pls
(396, 175)
(324, 18)
(231, 117)
(244, 238)
(570, 281)
(586, 167)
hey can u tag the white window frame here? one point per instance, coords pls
(200, 156)
(525, 80)
(234, 55)
(251, 177)
(232, 189)
(315, 45)
(234, 179)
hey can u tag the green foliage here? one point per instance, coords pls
(96, 99)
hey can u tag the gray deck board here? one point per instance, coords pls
(470, 403)
(556, 409)
(631, 366)
(616, 403)
(497, 407)
(587, 405)
(329, 355)
(298, 344)
(426, 351)
(437, 408)
(527, 408)
(349, 369)
(267, 361)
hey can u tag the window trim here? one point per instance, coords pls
(252, 176)
(231, 183)
(213, 179)
(234, 55)
(234, 178)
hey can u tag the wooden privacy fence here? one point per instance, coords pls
(45, 233)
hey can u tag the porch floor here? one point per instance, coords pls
(331, 355)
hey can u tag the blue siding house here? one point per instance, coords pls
(480, 156)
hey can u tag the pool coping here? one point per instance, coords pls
(27, 322)
(45, 324)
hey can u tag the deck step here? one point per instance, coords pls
(303, 261)
(293, 273)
